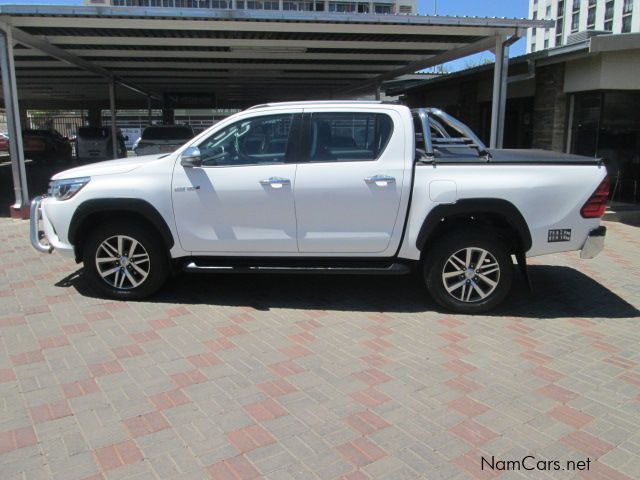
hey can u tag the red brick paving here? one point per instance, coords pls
(144, 424)
(352, 391)
(118, 455)
(249, 438)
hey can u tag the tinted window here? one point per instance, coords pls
(37, 133)
(93, 132)
(344, 137)
(167, 133)
(256, 140)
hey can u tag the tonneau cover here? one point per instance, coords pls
(539, 156)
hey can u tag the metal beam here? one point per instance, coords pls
(499, 99)
(259, 43)
(249, 54)
(44, 46)
(464, 51)
(341, 27)
(112, 107)
(21, 205)
(142, 66)
(210, 15)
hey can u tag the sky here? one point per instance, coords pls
(470, 8)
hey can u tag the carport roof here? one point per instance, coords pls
(244, 56)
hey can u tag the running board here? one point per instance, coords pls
(392, 269)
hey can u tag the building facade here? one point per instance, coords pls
(582, 98)
(575, 17)
(335, 6)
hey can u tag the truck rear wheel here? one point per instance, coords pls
(125, 261)
(468, 272)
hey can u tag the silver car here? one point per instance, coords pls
(162, 139)
(94, 144)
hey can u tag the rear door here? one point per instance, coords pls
(350, 183)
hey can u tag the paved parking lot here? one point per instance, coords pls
(308, 377)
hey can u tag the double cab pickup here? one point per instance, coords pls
(327, 187)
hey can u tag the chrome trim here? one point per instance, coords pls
(35, 233)
(379, 179)
(275, 181)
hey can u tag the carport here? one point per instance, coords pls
(57, 57)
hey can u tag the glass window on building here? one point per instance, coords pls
(575, 22)
(560, 12)
(627, 12)
(606, 124)
(591, 17)
(576, 5)
(382, 9)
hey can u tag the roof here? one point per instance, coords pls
(602, 42)
(239, 55)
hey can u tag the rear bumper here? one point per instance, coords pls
(594, 243)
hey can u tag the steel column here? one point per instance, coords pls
(149, 112)
(114, 127)
(20, 208)
(499, 100)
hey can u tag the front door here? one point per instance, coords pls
(349, 188)
(241, 200)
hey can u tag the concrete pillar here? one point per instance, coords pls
(499, 101)
(167, 116)
(20, 209)
(149, 112)
(550, 109)
(94, 116)
(112, 107)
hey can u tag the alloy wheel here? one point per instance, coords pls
(122, 262)
(471, 274)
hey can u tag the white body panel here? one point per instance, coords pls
(328, 210)
(339, 213)
(232, 212)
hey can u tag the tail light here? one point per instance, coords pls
(597, 203)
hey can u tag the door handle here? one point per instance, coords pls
(380, 180)
(275, 182)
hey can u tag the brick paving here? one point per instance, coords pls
(317, 378)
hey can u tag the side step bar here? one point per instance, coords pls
(392, 269)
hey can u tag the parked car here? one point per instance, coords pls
(327, 187)
(4, 143)
(162, 139)
(46, 145)
(94, 143)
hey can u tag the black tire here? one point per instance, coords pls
(113, 286)
(437, 265)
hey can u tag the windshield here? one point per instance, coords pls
(167, 133)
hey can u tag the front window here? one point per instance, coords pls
(253, 141)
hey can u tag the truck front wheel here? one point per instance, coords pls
(468, 272)
(125, 261)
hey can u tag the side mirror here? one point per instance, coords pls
(191, 158)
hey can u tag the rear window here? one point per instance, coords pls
(167, 133)
(93, 132)
(37, 133)
(346, 137)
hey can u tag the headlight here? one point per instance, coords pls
(67, 188)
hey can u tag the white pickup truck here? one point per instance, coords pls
(327, 187)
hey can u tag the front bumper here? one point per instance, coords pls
(42, 234)
(36, 234)
(594, 243)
